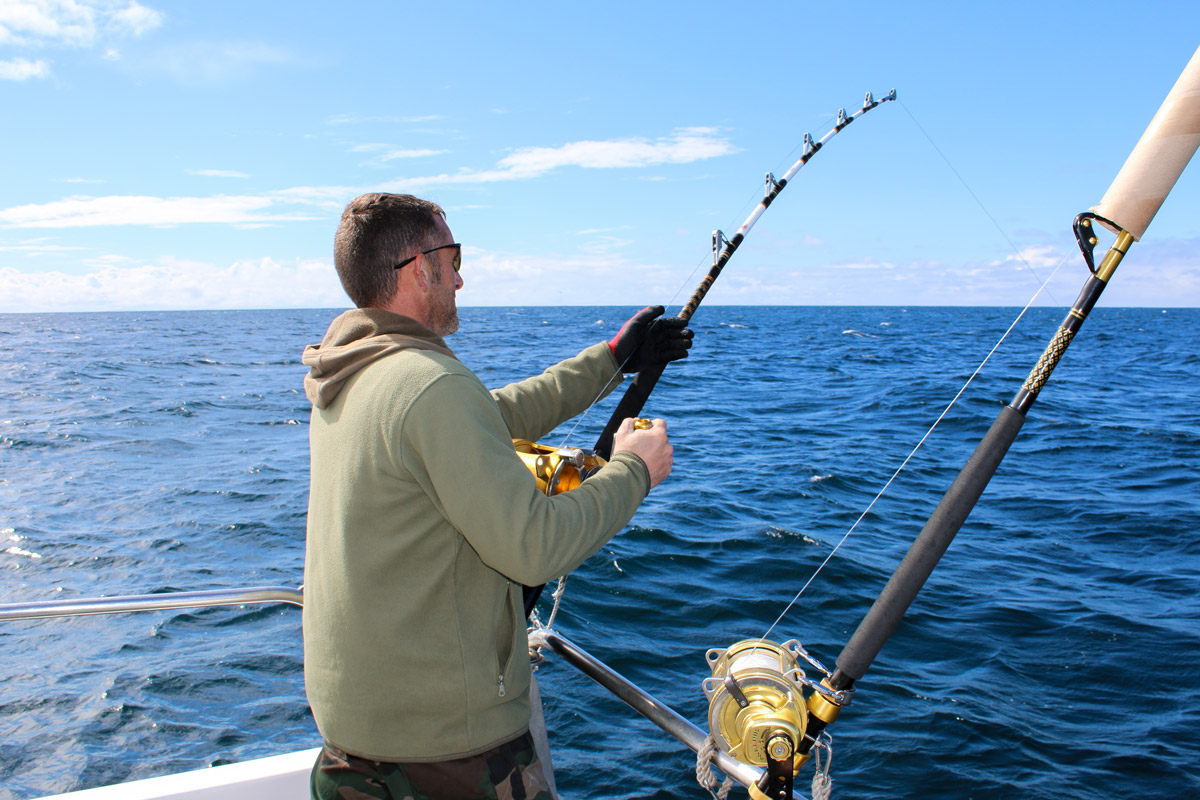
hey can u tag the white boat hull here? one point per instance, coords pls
(282, 777)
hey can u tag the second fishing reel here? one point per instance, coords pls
(758, 712)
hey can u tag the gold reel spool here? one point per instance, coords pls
(754, 695)
(561, 469)
(557, 469)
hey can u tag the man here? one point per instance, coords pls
(423, 523)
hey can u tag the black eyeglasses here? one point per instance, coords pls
(456, 263)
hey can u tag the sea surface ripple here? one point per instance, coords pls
(1053, 654)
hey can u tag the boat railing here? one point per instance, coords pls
(633, 696)
(151, 602)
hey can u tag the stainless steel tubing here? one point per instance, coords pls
(646, 705)
(637, 699)
(151, 602)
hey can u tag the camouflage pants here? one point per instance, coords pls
(511, 771)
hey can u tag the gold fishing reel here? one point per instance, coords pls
(757, 712)
(557, 469)
(756, 707)
(561, 469)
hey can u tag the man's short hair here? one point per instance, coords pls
(377, 232)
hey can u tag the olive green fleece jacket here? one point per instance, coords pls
(422, 526)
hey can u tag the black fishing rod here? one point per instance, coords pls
(1130, 203)
(639, 390)
(763, 709)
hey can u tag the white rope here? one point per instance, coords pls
(822, 784)
(536, 631)
(559, 590)
(704, 772)
(537, 640)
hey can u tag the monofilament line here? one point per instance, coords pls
(978, 202)
(909, 457)
(620, 369)
(682, 288)
(688, 281)
(760, 207)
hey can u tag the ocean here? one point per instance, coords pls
(1055, 652)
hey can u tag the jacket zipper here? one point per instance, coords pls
(504, 647)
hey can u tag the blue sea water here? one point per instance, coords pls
(1055, 653)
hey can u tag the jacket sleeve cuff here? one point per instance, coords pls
(637, 467)
(612, 356)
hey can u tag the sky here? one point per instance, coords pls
(183, 155)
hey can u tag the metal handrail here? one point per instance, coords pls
(646, 704)
(151, 602)
(635, 697)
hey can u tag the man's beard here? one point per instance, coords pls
(443, 313)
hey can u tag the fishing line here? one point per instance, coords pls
(685, 284)
(903, 465)
(620, 371)
(909, 457)
(723, 248)
(979, 202)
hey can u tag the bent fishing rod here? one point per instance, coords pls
(561, 469)
(757, 710)
(639, 390)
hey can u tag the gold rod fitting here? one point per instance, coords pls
(1112, 258)
(822, 708)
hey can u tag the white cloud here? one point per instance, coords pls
(1167, 275)
(605, 244)
(135, 19)
(20, 69)
(590, 231)
(206, 63)
(358, 119)
(80, 211)
(175, 284)
(500, 279)
(329, 198)
(393, 155)
(36, 247)
(604, 240)
(683, 146)
(76, 23)
(1046, 255)
(866, 263)
(1170, 276)
(217, 173)
(387, 153)
(33, 22)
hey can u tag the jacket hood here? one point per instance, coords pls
(355, 339)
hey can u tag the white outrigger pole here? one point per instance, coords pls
(771, 723)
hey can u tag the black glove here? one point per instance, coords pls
(647, 341)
